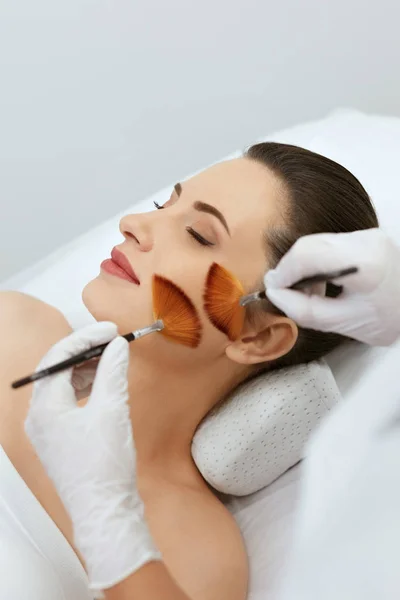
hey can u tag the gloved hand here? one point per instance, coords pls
(368, 309)
(347, 529)
(89, 454)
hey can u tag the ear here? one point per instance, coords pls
(269, 338)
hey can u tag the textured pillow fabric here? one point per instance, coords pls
(260, 432)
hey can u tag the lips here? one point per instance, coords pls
(120, 266)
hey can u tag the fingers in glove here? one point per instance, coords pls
(308, 256)
(325, 252)
(111, 382)
(83, 376)
(78, 341)
(314, 312)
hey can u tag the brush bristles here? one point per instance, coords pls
(177, 311)
(221, 301)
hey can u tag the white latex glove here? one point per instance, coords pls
(83, 376)
(347, 532)
(89, 454)
(368, 310)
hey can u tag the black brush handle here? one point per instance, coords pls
(68, 363)
(324, 278)
(320, 278)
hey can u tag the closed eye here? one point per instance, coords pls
(199, 238)
(195, 235)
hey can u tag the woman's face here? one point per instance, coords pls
(219, 215)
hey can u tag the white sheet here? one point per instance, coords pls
(266, 521)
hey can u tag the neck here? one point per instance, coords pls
(166, 409)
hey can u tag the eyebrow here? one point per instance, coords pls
(206, 208)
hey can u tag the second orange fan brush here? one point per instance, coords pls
(222, 301)
(175, 317)
(224, 298)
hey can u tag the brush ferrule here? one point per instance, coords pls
(157, 326)
(254, 297)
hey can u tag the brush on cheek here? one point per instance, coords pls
(177, 312)
(224, 299)
(175, 317)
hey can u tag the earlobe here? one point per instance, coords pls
(275, 339)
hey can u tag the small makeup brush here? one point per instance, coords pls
(225, 301)
(175, 317)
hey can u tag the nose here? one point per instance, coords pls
(137, 228)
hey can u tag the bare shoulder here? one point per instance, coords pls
(201, 544)
(17, 308)
(28, 328)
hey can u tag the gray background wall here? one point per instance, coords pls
(103, 102)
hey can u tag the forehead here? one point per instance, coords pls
(244, 190)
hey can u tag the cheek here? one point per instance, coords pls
(190, 277)
(130, 307)
(126, 305)
(186, 272)
(248, 262)
(192, 282)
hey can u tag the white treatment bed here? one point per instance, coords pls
(369, 146)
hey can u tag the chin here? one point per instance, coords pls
(124, 304)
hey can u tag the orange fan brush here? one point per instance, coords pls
(175, 317)
(224, 299)
(177, 312)
(221, 301)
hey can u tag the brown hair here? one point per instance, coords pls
(322, 197)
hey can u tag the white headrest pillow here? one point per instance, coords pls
(260, 432)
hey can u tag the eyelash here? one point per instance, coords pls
(195, 235)
(199, 238)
